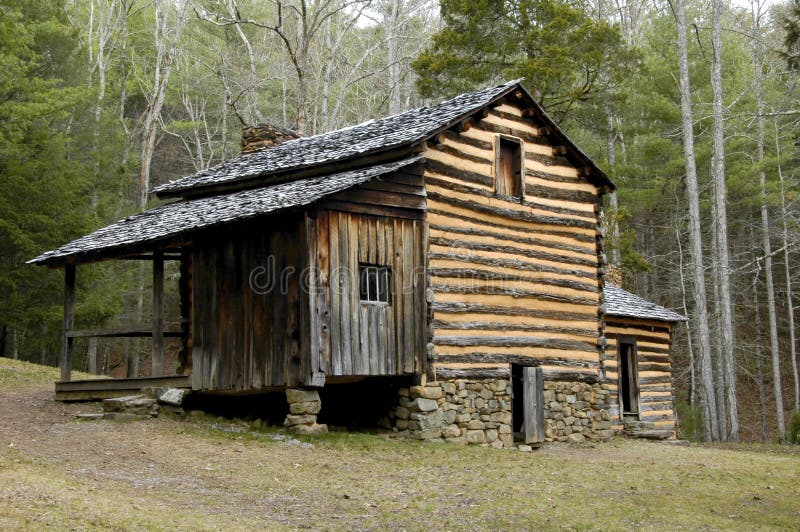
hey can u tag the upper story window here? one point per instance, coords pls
(374, 283)
(509, 160)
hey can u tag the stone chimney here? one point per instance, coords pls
(614, 274)
(264, 136)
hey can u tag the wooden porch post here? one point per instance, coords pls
(158, 314)
(69, 322)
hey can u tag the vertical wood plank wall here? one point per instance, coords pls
(656, 394)
(245, 338)
(514, 281)
(363, 338)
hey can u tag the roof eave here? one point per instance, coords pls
(595, 172)
(363, 160)
(681, 319)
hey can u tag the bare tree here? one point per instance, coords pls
(762, 394)
(252, 81)
(108, 15)
(298, 24)
(756, 7)
(689, 344)
(613, 204)
(632, 14)
(789, 290)
(722, 261)
(396, 17)
(707, 398)
(169, 19)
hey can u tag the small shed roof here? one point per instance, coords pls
(622, 303)
(371, 137)
(173, 219)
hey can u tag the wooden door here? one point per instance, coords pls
(533, 401)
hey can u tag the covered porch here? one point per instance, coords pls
(176, 373)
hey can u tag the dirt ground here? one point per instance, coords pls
(210, 473)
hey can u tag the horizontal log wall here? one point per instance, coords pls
(514, 280)
(656, 394)
(246, 328)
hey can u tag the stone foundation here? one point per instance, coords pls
(458, 411)
(479, 412)
(577, 411)
(304, 405)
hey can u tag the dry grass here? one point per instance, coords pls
(208, 474)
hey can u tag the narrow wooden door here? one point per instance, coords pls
(533, 401)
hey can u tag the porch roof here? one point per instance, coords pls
(162, 224)
(622, 303)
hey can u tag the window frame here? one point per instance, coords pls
(501, 138)
(381, 274)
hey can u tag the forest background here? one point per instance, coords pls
(690, 106)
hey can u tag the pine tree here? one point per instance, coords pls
(561, 52)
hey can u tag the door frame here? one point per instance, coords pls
(527, 388)
(632, 366)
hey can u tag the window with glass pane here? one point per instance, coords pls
(374, 283)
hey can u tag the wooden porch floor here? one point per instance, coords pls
(94, 389)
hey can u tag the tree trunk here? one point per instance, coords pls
(707, 399)
(14, 344)
(762, 395)
(91, 356)
(131, 357)
(721, 225)
(393, 57)
(789, 292)
(690, 347)
(327, 79)
(123, 89)
(765, 243)
(613, 205)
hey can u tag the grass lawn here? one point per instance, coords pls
(208, 473)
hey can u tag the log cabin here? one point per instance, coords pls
(638, 361)
(452, 254)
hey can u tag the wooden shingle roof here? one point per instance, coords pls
(622, 303)
(167, 221)
(297, 172)
(371, 137)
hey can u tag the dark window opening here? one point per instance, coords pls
(628, 382)
(374, 283)
(509, 167)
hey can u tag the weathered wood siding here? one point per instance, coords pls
(514, 280)
(357, 338)
(248, 306)
(276, 302)
(656, 394)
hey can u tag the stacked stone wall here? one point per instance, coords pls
(577, 411)
(458, 411)
(479, 412)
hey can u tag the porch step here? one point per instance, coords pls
(96, 389)
(636, 428)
